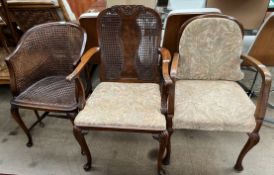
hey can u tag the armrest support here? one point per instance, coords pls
(84, 60)
(173, 74)
(167, 82)
(166, 58)
(265, 87)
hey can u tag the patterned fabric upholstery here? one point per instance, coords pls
(210, 49)
(212, 105)
(127, 105)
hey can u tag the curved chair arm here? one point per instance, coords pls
(167, 82)
(84, 60)
(80, 92)
(265, 88)
(174, 67)
(166, 59)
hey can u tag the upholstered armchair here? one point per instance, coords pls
(205, 94)
(29, 13)
(133, 90)
(38, 67)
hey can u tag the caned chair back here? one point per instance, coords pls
(129, 38)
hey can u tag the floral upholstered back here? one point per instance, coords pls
(210, 49)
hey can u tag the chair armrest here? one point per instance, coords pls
(83, 61)
(166, 58)
(173, 74)
(174, 66)
(265, 86)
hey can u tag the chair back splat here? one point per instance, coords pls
(129, 38)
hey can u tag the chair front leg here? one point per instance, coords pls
(163, 143)
(166, 160)
(253, 140)
(15, 114)
(84, 147)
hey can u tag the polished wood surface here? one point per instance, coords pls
(81, 6)
(250, 13)
(89, 24)
(262, 49)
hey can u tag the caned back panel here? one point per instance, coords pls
(129, 38)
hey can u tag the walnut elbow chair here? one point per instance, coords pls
(38, 67)
(205, 94)
(133, 92)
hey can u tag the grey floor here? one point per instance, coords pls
(55, 151)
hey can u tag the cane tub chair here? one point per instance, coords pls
(205, 94)
(28, 13)
(38, 67)
(134, 78)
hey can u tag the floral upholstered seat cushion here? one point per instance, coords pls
(212, 105)
(210, 49)
(123, 105)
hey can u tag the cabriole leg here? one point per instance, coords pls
(253, 139)
(163, 143)
(84, 147)
(166, 160)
